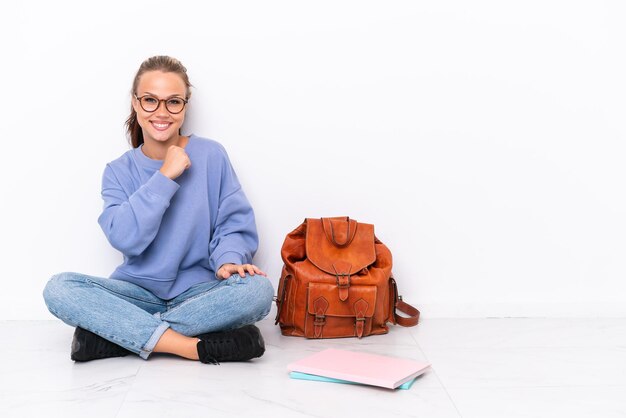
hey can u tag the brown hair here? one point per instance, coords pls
(157, 63)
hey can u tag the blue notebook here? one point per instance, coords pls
(306, 376)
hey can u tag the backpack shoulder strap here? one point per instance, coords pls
(405, 308)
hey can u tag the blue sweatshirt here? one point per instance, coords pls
(176, 233)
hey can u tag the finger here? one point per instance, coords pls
(259, 271)
(241, 271)
(225, 274)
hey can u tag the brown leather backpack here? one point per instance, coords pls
(337, 282)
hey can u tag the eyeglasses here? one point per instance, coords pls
(150, 103)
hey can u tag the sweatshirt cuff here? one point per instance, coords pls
(162, 186)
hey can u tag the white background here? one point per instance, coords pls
(483, 139)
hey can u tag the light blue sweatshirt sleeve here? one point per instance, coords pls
(130, 223)
(235, 239)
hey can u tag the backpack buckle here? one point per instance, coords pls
(343, 280)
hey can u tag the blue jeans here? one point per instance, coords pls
(134, 318)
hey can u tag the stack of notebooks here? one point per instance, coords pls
(342, 366)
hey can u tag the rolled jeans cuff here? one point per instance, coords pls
(154, 339)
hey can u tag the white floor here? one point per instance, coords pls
(480, 368)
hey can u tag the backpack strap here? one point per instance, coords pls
(405, 308)
(280, 298)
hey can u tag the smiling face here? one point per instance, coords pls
(160, 126)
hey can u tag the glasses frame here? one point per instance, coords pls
(185, 101)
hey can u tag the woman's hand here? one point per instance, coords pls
(175, 163)
(229, 269)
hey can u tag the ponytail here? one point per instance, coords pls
(134, 130)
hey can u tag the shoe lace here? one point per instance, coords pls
(219, 348)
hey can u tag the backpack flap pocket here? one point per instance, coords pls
(330, 317)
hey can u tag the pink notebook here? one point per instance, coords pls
(369, 369)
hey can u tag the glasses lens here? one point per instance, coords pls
(149, 103)
(175, 105)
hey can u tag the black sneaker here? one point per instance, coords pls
(239, 344)
(88, 346)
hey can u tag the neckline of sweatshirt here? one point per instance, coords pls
(148, 162)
